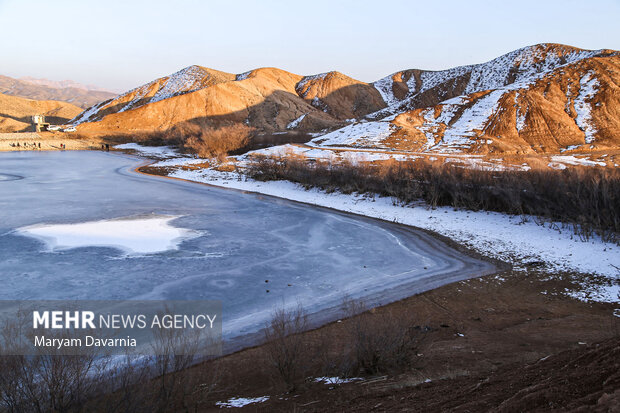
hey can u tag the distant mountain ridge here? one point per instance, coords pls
(16, 112)
(43, 89)
(64, 84)
(542, 98)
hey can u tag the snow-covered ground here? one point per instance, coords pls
(150, 151)
(241, 401)
(337, 380)
(560, 161)
(363, 134)
(328, 154)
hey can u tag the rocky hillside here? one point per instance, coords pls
(16, 113)
(269, 99)
(544, 98)
(41, 89)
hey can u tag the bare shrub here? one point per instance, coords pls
(379, 342)
(586, 200)
(210, 141)
(49, 383)
(285, 346)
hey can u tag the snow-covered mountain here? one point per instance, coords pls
(543, 98)
(546, 97)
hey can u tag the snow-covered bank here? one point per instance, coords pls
(516, 239)
(510, 238)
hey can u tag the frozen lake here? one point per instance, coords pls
(83, 225)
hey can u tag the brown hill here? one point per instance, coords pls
(339, 95)
(575, 106)
(16, 113)
(38, 90)
(269, 99)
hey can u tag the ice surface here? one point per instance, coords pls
(308, 255)
(135, 235)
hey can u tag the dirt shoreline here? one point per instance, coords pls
(48, 141)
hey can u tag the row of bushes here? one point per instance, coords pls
(371, 343)
(588, 199)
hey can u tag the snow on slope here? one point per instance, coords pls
(520, 114)
(384, 87)
(363, 134)
(184, 81)
(516, 70)
(458, 135)
(522, 66)
(302, 83)
(295, 123)
(587, 89)
(326, 154)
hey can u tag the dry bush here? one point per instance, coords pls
(585, 199)
(210, 141)
(49, 383)
(379, 342)
(285, 346)
(95, 383)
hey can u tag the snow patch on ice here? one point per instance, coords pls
(134, 235)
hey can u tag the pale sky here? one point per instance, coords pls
(121, 44)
